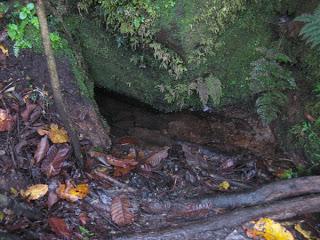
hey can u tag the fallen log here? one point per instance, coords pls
(266, 194)
(206, 230)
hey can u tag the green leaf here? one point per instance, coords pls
(23, 15)
(30, 6)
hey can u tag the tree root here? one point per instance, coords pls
(268, 193)
(205, 230)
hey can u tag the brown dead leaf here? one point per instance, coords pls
(121, 166)
(53, 162)
(6, 121)
(156, 158)
(123, 163)
(42, 131)
(59, 227)
(71, 193)
(120, 212)
(35, 192)
(128, 140)
(42, 149)
(27, 112)
(52, 199)
(119, 171)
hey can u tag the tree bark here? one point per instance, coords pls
(206, 230)
(268, 193)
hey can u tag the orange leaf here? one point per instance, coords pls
(268, 229)
(73, 194)
(58, 135)
(6, 121)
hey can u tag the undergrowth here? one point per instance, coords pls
(270, 81)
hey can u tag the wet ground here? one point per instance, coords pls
(154, 156)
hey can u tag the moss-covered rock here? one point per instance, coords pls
(213, 38)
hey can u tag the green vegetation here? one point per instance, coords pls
(23, 18)
(306, 135)
(269, 80)
(310, 31)
(23, 30)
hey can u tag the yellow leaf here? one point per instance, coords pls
(4, 50)
(304, 233)
(73, 194)
(58, 135)
(268, 229)
(224, 185)
(35, 192)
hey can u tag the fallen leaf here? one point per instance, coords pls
(59, 227)
(128, 140)
(306, 234)
(83, 218)
(42, 131)
(120, 212)
(27, 112)
(52, 199)
(309, 117)
(225, 185)
(156, 158)
(6, 121)
(42, 149)
(4, 50)
(52, 164)
(35, 192)
(123, 163)
(71, 193)
(119, 171)
(269, 230)
(58, 135)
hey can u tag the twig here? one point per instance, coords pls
(55, 83)
(115, 181)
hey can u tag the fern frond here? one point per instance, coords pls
(311, 29)
(269, 106)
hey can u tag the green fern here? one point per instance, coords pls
(269, 106)
(269, 80)
(311, 29)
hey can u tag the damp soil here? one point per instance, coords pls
(195, 152)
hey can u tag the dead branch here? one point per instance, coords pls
(271, 192)
(205, 230)
(55, 83)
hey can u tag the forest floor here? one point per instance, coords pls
(154, 158)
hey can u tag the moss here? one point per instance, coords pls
(111, 68)
(64, 50)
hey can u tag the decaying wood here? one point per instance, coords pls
(205, 230)
(268, 193)
(55, 83)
